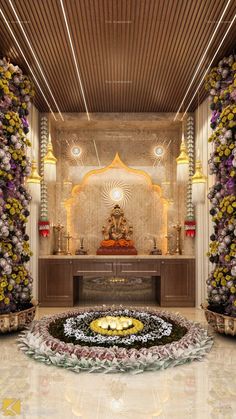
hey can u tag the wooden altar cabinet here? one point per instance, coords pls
(174, 275)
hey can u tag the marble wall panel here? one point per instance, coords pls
(135, 142)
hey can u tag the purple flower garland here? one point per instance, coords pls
(15, 281)
(221, 83)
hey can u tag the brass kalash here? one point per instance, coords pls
(117, 235)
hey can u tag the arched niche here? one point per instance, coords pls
(87, 209)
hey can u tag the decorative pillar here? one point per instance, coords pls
(203, 221)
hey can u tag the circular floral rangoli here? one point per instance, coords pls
(110, 339)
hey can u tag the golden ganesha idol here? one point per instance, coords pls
(117, 235)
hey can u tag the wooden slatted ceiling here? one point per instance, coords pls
(133, 55)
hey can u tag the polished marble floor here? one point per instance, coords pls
(199, 390)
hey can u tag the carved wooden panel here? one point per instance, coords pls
(55, 282)
(59, 279)
(133, 55)
(177, 283)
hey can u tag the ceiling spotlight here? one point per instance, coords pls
(158, 151)
(116, 194)
(76, 151)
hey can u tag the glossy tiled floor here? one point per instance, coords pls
(199, 390)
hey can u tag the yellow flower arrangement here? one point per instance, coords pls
(135, 327)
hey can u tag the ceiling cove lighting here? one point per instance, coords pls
(29, 66)
(74, 57)
(36, 59)
(209, 66)
(204, 55)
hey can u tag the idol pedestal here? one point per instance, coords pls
(117, 251)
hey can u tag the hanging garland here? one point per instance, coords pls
(44, 225)
(190, 224)
(221, 83)
(15, 280)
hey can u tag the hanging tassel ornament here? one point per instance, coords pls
(50, 169)
(198, 184)
(182, 162)
(44, 228)
(33, 183)
(190, 228)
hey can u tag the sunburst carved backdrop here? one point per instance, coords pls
(159, 151)
(147, 210)
(74, 150)
(116, 192)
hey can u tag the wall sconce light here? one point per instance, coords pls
(50, 170)
(158, 151)
(33, 183)
(76, 151)
(198, 184)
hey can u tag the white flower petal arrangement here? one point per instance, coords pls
(72, 328)
(109, 355)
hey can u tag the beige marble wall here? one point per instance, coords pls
(145, 210)
(134, 138)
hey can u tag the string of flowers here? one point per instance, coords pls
(15, 281)
(43, 222)
(190, 224)
(221, 83)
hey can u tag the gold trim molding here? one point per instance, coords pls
(117, 163)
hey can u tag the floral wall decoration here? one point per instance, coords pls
(15, 96)
(221, 83)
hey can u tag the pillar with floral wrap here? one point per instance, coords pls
(221, 83)
(15, 280)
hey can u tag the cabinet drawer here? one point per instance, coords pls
(93, 268)
(138, 268)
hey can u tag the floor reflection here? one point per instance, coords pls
(201, 390)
